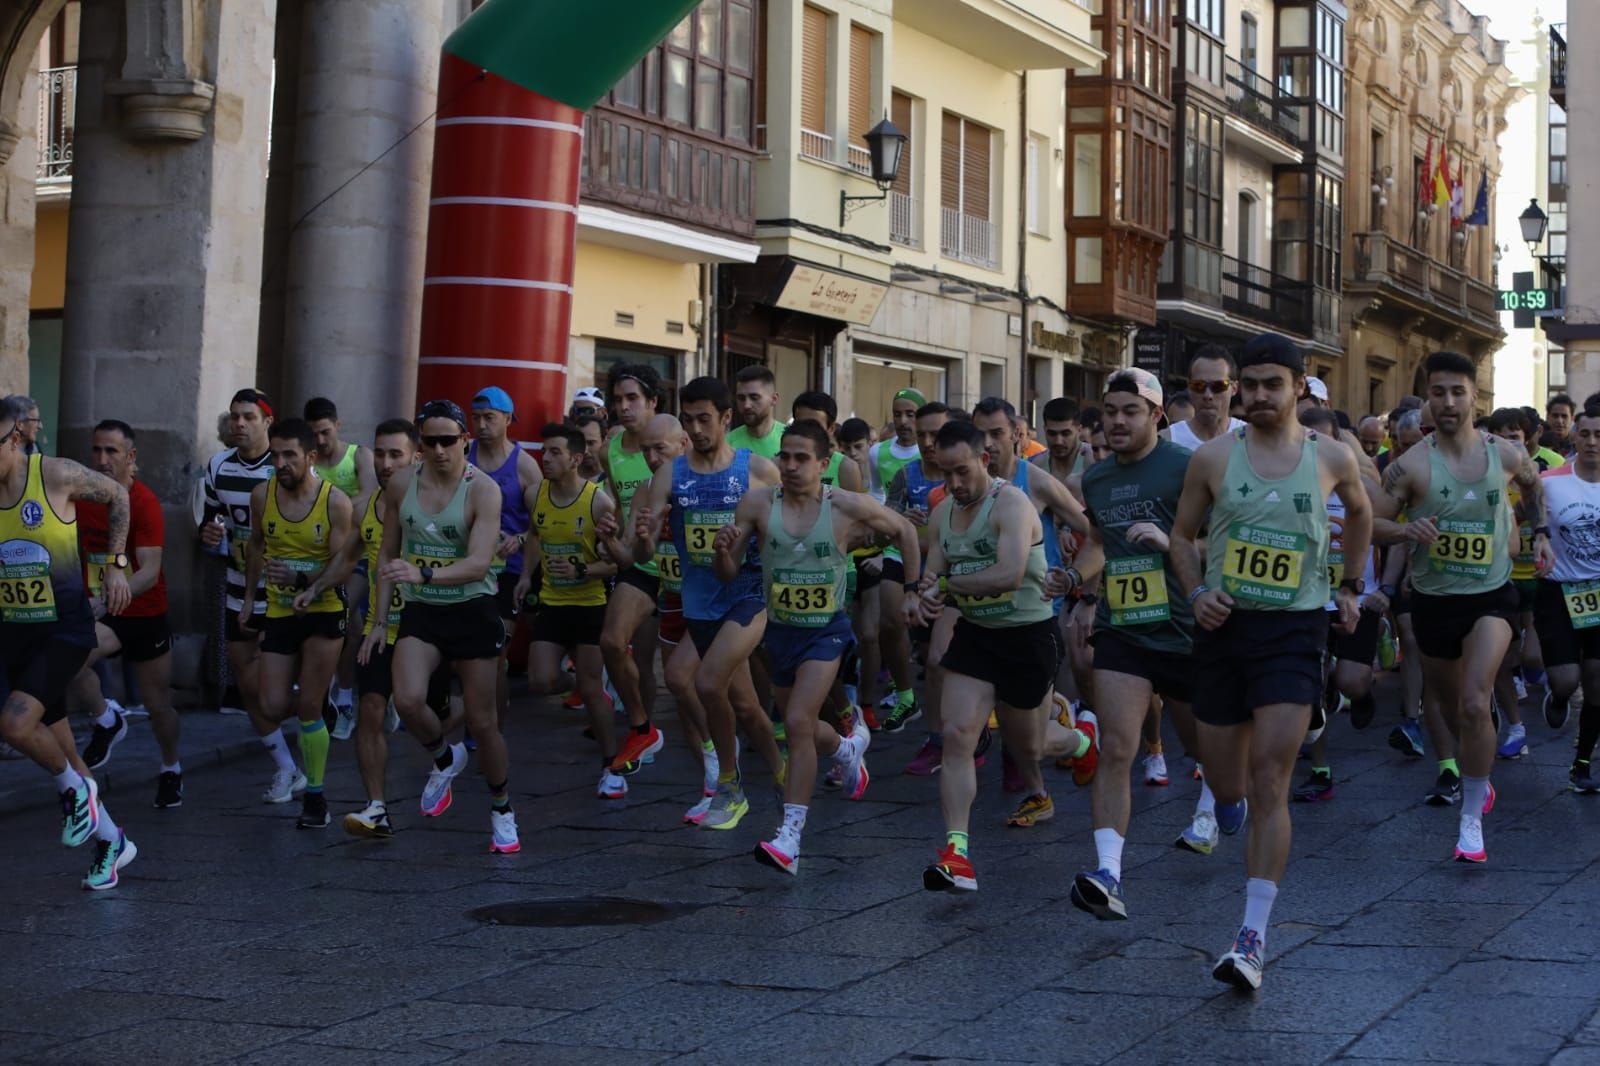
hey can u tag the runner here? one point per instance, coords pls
(47, 629)
(1260, 610)
(725, 620)
(1568, 600)
(517, 475)
(986, 555)
(1180, 406)
(881, 608)
(586, 403)
(1143, 632)
(1213, 382)
(140, 634)
(809, 632)
(910, 494)
(1559, 412)
(755, 399)
(1463, 603)
(594, 447)
(298, 523)
(855, 445)
(572, 600)
(1509, 423)
(628, 640)
(441, 529)
(349, 467)
(1370, 433)
(1068, 452)
(1407, 737)
(820, 408)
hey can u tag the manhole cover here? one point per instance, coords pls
(592, 910)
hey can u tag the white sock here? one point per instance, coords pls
(1108, 843)
(794, 817)
(107, 829)
(69, 780)
(377, 807)
(279, 750)
(847, 748)
(107, 718)
(1207, 803)
(1259, 895)
(173, 768)
(1474, 793)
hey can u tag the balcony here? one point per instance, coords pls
(819, 146)
(58, 101)
(858, 159)
(1010, 34)
(1216, 289)
(1558, 63)
(969, 238)
(1262, 115)
(905, 220)
(1415, 284)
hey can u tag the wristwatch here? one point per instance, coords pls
(581, 569)
(427, 574)
(120, 560)
(1389, 591)
(1353, 585)
(912, 586)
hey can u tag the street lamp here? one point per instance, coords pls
(885, 145)
(1533, 222)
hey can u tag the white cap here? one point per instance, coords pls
(1317, 389)
(590, 395)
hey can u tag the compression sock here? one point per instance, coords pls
(1259, 895)
(1084, 744)
(958, 841)
(1108, 843)
(314, 752)
(500, 798)
(1449, 764)
(278, 748)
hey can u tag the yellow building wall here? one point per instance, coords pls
(609, 281)
(49, 292)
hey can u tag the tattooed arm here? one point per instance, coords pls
(66, 479)
(1394, 494)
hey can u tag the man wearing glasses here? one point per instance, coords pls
(29, 426)
(441, 527)
(1212, 384)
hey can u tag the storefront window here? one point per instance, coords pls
(608, 355)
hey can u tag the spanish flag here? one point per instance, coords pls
(1441, 177)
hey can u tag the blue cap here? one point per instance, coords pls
(493, 398)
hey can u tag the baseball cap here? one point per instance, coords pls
(591, 395)
(493, 398)
(1145, 384)
(1317, 388)
(914, 395)
(1274, 349)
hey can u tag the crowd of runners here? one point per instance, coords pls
(1238, 559)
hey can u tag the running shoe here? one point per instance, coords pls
(728, 807)
(1446, 791)
(436, 794)
(1469, 842)
(103, 739)
(391, 719)
(639, 748)
(852, 760)
(370, 822)
(833, 780)
(1085, 765)
(782, 852)
(1406, 738)
(285, 783)
(80, 813)
(1032, 811)
(1064, 712)
(572, 701)
(503, 833)
(344, 722)
(1317, 788)
(1155, 769)
(612, 786)
(1319, 722)
(1100, 894)
(1200, 836)
(1488, 800)
(470, 742)
(1363, 710)
(1556, 712)
(980, 754)
(109, 858)
(1388, 652)
(1536, 677)
(169, 789)
(1515, 746)
(1231, 816)
(901, 715)
(870, 717)
(1580, 781)
(711, 767)
(313, 811)
(696, 814)
(1242, 966)
(928, 760)
(952, 872)
(1010, 773)
(1520, 685)
(888, 700)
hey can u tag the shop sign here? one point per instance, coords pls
(1050, 341)
(829, 295)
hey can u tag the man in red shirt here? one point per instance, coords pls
(140, 634)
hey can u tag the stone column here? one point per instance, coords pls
(368, 75)
(1583, 200)
(18, 174)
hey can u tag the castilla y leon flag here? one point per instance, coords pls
(514, 82)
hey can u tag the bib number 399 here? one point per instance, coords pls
(1583, 603)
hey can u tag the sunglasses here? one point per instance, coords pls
(442, 442)
(1216, 388)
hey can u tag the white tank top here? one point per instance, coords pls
(1182, 434)
(1369, 576)
(1572, 507)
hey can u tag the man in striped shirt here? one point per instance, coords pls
(230, 477)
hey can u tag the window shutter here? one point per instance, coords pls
(975, 166)
(814, 71)
(950, 164)
(860, 85)
(900, 115)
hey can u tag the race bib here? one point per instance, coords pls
(1136, 590)
(1335, 567)
(1525, 552)
(1583, 603)
(802, 598)
(1262, 565)
(420, 555)
(283, 595)
(669, 566)
(975, 607)
(236, 549)
(94, 572)
(26, 594)
(572, 553)
(700, 532)
(1464, 548)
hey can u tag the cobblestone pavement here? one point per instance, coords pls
(236, 938)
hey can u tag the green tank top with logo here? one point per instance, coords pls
(804, 575)
(342, 475)
(629, 473)
(1473, 551)
(830, 476)
(438, 540)
(976, 548)
(1268, 544)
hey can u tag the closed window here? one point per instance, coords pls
(861, 45)
(964, 167)
(814, 70)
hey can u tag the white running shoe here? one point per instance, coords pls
(851, 761)
(1155, 768)
(344, 723)
(708, 783)
(285, 783)
(1469, 844)
(696, 814)
(436, 795)
(1201, 834)
(391, 719)
(503, 827)
(612, 786)
(782, 852)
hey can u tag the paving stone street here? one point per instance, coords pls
(235, 938)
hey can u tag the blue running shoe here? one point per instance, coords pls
(1242, 966)
(1100, 894)
(1406, 738)
(1230, 816)
(1515, 746)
